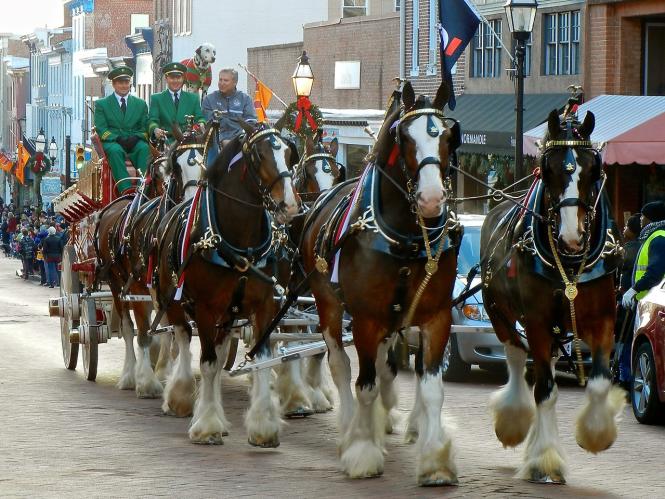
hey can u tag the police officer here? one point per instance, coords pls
(650, 264)
(121, 121)
(231, 102)
(173, 104)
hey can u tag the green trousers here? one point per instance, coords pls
(139, 156)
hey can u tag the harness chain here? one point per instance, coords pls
(571, 293)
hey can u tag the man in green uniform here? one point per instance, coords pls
(173, 104)
(121, 121)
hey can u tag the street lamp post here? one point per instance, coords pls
(53, 151)
(40, 146)
(303, 79)
(521, 15)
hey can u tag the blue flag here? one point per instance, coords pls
(458, 23)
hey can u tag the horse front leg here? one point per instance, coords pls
(544, 460)
(512, 406)
(208, 424)
(596, 428)
(164, 363)
(263, 419)
(361, 449)
(435, 465)
(147, 383)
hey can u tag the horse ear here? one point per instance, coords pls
(588, 125)
(281, 122)
(177, 133)
(249, 129)
(333, 147)
(309, 145)
(408, 96)
(442, 95)
(553, 124)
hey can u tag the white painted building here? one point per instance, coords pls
(234, 26)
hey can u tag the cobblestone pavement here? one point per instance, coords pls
(63, 436)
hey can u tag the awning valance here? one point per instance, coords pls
(631, 126)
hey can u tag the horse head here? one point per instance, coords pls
(268, 158)
(318, 170)
(570, 168)
(425, 143)
(185, 158)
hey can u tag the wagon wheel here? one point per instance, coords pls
(70, 287)
(89, 349)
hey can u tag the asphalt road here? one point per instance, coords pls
(62, 436)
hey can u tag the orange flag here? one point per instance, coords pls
(262, 97)
(22, 159)
(5, 163)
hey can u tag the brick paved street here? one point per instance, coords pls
(61, 436)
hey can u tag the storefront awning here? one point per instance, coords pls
(488, 120)
(631, 126)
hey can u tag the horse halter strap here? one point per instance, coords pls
(248, 150)
(191, 160)
(432, 130)
(322, 156)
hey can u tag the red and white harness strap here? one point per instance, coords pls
(186, 239)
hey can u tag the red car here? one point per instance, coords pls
(647, 392)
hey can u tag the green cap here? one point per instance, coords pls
(122, 72)
(174, 68)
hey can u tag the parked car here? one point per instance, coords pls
(472, 338)
(647, 392)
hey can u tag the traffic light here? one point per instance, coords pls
(80, 157)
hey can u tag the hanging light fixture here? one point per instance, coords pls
(303, 79)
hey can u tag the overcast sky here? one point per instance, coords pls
(23, 16)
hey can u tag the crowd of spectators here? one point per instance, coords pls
(37, 239)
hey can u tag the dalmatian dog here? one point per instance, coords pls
(199, 69)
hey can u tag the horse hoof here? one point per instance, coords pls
(264, 444)
(540, 477)
(300, 412)
(437, 482)
(411, 437)
(213, 439)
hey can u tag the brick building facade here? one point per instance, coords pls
(626, 48)
(274, 65)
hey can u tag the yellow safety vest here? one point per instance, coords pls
(642, 261)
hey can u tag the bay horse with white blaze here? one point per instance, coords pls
(116, 256)
(380, 234)
(217, 250)
(550, 264)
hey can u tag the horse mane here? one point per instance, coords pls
(220, 166)
(385, 138)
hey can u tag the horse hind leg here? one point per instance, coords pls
(127, 379)
(596, 427)
(147, 383)
(292, 390)
(180, 385)
(512, 406)
(544, 460)
(164, 363)
(319, 393)
(386, 368)
(263, 419)
(414, 421)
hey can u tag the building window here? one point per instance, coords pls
(354, 8)
(182, 17)
(562, 43)
(433, 38)
(486, 52)
(397, 5)
(415, 35)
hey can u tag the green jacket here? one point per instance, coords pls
(163, 112)
(111, 123)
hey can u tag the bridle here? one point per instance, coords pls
(191, 160)
(302, 174)
(253, 158)
(432, 131)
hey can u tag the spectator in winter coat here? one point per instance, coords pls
(39, 238)
(52, 249)
(27, 251)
